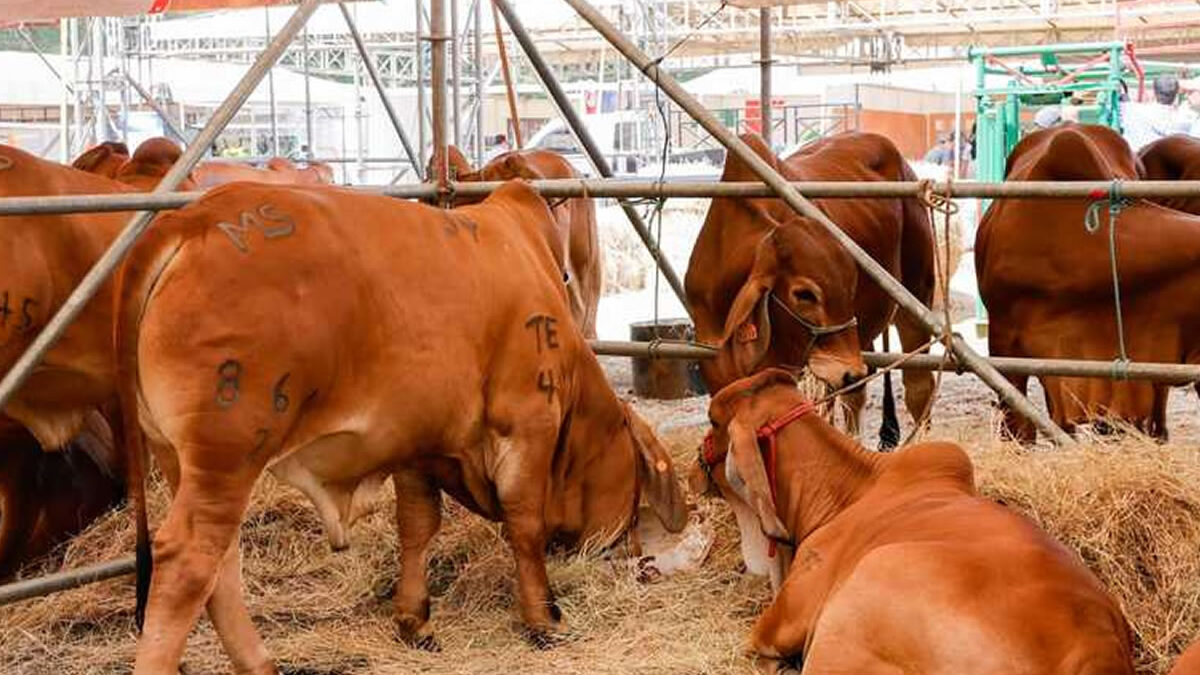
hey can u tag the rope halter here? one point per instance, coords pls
(709, 455)
(815, 331)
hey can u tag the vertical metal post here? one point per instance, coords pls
(373, 72)
(99, 273)
(479, 82)
(308, 119)
(437, 42)
(419, 76)
(455, 68)
(571, 116)
(64, 124)
(271, 88)
(932, 321)
(508, 82)
(764, 55)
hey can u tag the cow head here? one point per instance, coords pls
(731, 461)
(796, 307)
(105, 159)
(620, 460)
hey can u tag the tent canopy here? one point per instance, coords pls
(45, 10)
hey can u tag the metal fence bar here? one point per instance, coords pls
(108, 262)
(906, 300)
(61, 581)
(631, 189)
(1170, 373)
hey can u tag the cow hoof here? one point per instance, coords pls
(547, 637)
(416, 634)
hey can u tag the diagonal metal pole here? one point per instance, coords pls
(373, 72)
(967, 356)
(589, 144)
(162, 114)
(96, 277)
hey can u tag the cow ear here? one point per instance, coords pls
(91, 159)
(519, 167)
(657, 475)
(748, 477)
(748, 325)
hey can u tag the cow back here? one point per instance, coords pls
(1173, 158)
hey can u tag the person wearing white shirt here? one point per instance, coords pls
(1147, 122)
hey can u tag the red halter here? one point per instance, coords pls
(710, 456)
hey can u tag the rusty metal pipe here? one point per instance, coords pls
(632, 189)
(1168, 373)
(61, 581)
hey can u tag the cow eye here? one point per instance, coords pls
(804, 295)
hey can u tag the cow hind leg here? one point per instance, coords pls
(190, 549)
(418, 517)
(918, 384)
(227, 610)
(520, 486)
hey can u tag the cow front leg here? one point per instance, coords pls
(189, 549)
(418, 517)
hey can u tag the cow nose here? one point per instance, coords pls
(850, 378)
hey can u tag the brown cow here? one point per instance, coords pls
(1175, 157)
(278, 171)
(899, 565)
(45, 258)
(1189, 661)
(458, 371)
(1048, 287)
(576, 220)
(47, 496)
(772, 288)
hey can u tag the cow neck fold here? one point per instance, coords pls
(819, 473)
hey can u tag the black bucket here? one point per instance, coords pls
(665, 378)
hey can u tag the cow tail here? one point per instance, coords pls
(889, 426)
(132, 287)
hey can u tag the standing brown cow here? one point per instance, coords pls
(278, 171)
(1048, 286)
(772, 288)
(576, 219)
(899, 565)
(340, 338)
(48, 495)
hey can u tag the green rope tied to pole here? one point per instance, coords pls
(1091, 223)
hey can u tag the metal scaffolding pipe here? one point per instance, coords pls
(764, 56)
(558, 188)
(478, 54)
(158, 109)
(373, 72)
(455, 74)
(61, 581)
(589, 144)
(1171, 373)
(99, 273)
(509, 86)
(932, 321)
(437, 42)
(419, 76)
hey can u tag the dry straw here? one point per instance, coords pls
(1132, 510)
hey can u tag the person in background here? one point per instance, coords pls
(1189, 107)
(942, 153)
(1147, 122)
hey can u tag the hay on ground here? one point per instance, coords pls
(1131, 509)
